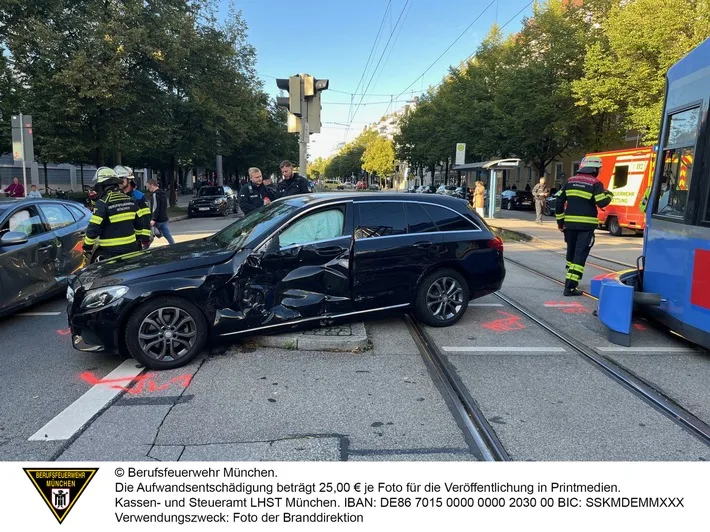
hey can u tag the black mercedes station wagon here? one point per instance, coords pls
(294, 263)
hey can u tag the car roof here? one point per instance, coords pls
(323, 198)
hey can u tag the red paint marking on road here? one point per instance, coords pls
(511, 322)
(573, 307)
(640, 327)
(64, 332)
(145, 382)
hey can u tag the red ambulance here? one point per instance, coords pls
(627, 174)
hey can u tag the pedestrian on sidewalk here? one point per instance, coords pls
(15, 190)
(576, 213)
(34, 193)
(159, 210)
(479, 198)
(540, 193)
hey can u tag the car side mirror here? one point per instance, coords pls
(13, 238)
(273, 246)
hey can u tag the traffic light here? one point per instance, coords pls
(303, 101)
(293, 102)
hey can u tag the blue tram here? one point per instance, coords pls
(672, 278)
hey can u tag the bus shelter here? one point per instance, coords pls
(491, 173)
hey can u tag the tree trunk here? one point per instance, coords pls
(171, 182)
(446, 172)
(81, 173)
(46, 178)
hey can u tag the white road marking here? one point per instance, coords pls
(655, 350)
(493, 349)
(485, 304)
(38, 314)
(76, 415)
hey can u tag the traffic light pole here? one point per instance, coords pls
(303, 144)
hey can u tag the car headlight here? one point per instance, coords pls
(70, 294)
(219, 200)
(100, 297)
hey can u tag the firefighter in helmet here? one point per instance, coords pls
(128, 186)
(115, 223)
(576, 213)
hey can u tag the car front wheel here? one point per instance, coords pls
(166, 333)
(442, 298)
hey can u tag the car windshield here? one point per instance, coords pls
(243, 233)
(210, 191)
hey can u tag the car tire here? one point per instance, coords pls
(430, 305)
(612, 224)
(509, 205)
(151, 331)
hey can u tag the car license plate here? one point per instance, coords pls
(204, 209)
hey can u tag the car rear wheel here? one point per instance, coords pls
(613, 226)
(166, 333)
(442, 298)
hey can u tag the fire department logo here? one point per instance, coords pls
(60, 488)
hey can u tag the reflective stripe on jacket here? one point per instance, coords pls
(577, 202)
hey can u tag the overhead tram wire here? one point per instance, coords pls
(448, 48)
(372, 50)
(379, 61)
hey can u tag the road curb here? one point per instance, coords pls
(178, 218)
(348, 337)
(524, 236)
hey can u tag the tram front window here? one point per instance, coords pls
(677, 161)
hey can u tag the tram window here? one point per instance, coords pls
(675, 182)
(621, 176)
(683, 128)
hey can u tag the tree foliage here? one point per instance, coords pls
(574, 79)
(378, 157)
(157, 83)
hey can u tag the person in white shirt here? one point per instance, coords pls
(34, 193)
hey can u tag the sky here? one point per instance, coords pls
(338, 36)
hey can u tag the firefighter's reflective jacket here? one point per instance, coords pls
(143, 214)
(116, 223)
(582, 193)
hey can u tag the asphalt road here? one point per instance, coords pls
(248, 403)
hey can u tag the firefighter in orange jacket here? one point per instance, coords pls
(576, 213)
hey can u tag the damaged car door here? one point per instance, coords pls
(302, 271)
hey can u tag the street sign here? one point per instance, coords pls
(460, 153)
(20, 137)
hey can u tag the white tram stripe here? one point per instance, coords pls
(655, 350)
(76, 415)
(38, 314)
(485, 304)
(494, 349)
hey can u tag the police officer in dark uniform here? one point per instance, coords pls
(292, 183)
(576, 213)
(254, 194)
(116, 222)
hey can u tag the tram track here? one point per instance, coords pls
(473, 421)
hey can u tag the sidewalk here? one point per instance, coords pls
(524, 222)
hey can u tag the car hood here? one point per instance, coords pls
(157, 261)
(208, 198)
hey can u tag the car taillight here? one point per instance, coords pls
(496, 243)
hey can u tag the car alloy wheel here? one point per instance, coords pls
(167, 332)
(444, 298)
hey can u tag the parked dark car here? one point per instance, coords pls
(551, 202)
(517, 199)
(374, 186)
(464, 193)
(446, 190)
(40, 247)
(213, 200)
(293, 263)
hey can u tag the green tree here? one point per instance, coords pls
(378, 158)
(624, 72)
